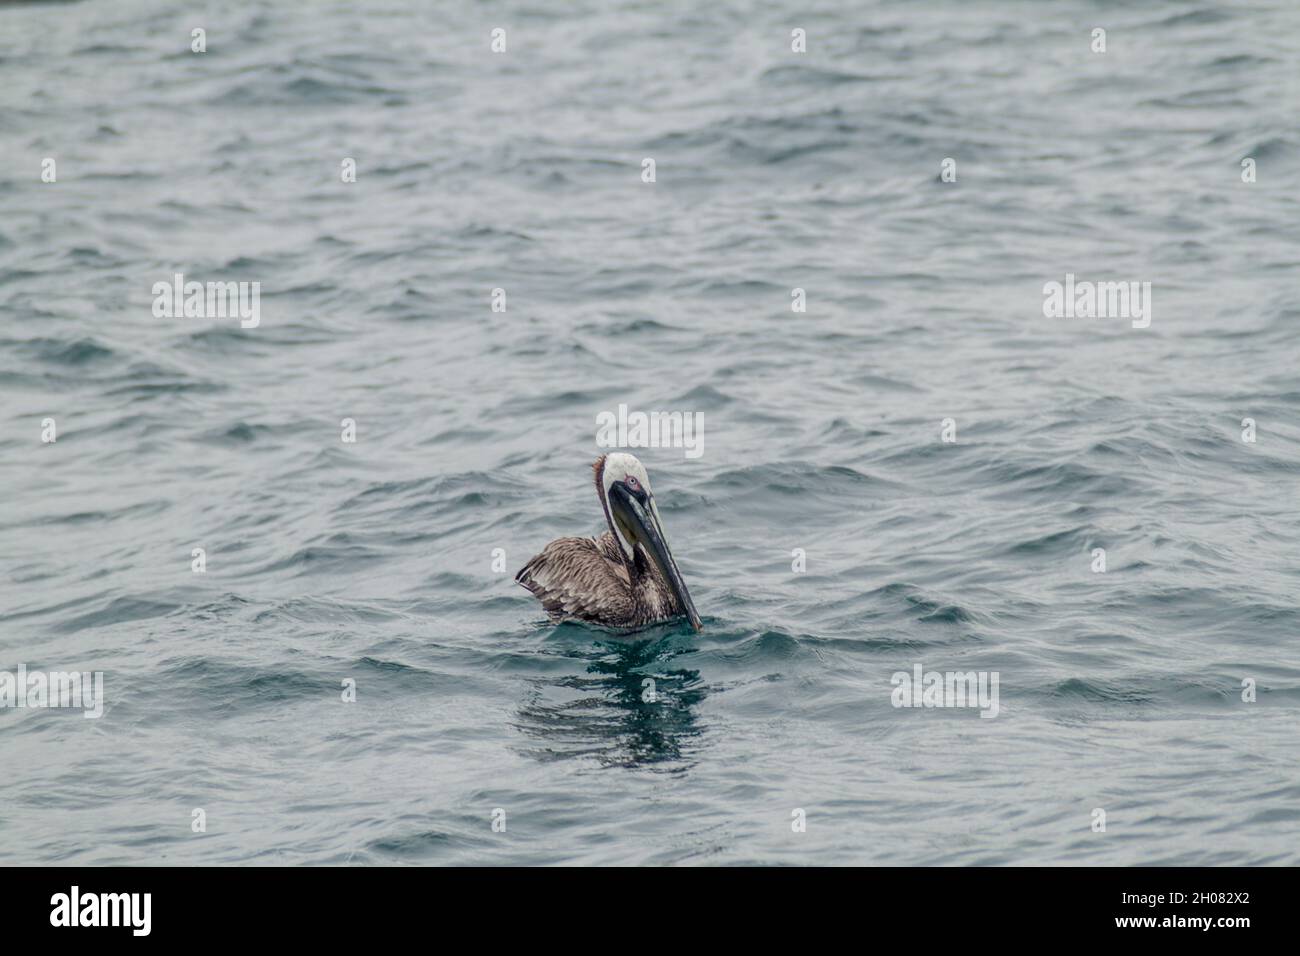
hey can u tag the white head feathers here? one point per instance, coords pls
(620, 466)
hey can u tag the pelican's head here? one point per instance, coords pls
(634, 516)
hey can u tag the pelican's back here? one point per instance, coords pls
(582, 578)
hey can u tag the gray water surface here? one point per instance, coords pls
(373, 561)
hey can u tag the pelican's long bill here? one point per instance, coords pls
(640, 523)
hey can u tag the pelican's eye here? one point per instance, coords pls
(633, 484)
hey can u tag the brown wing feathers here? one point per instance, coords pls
(575, 577)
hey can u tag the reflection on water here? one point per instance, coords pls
(632, 708)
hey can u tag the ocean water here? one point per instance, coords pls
(373, 561)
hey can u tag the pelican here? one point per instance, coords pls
(626, 578)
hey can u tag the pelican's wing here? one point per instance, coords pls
(580, 578)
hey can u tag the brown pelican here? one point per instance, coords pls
(626, 577)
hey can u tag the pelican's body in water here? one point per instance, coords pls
(625, 578)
